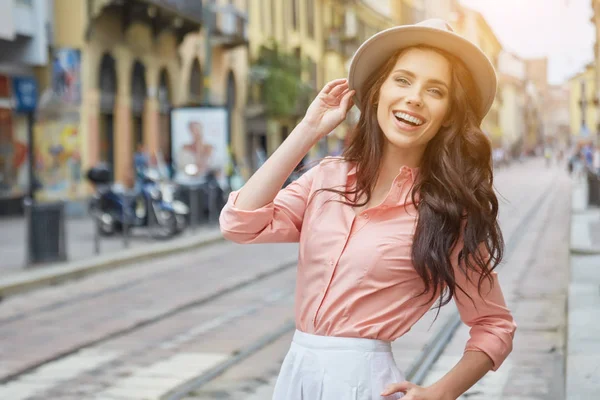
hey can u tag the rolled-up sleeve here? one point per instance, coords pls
(277, 222)
(492, 325)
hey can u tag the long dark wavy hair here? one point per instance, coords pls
(453, 192)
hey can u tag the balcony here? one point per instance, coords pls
(230, 27)
(190, 10)
(349, 46)
(178, 16)
(333, 41)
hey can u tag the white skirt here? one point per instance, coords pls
(336, 368)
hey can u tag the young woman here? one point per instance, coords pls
(406, 219)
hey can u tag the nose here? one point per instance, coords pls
(414, 98)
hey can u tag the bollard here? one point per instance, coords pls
(28, 233)
(125, 224)
(96, 236)
(593, 188)
(194, 206)
(212, 202)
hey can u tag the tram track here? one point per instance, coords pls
(200, 301)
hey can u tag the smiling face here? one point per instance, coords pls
(414, 99)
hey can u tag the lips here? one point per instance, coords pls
(405, 125)
(409, 118)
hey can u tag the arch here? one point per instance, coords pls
(231, 101)
(138, 87)
(107, 83)
(107, 86)
(164, 91)
(196, 82)
(138, 98)
(231, 91)
(164, 104)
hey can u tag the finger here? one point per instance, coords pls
(339, 90)
(347, 102)
(398, 387)
(333, 84)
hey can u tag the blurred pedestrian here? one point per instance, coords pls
(405, 219)
(596, 160)
(140, 165)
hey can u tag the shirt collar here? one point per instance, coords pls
(412, 172)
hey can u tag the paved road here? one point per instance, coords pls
(138, 332)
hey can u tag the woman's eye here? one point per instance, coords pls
(437, 92)
(402, 80)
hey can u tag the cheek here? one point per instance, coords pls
(438, 115)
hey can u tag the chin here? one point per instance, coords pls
(405, 140)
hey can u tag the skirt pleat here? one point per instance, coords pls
(332, 368)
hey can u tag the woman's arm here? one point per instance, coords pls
(261, 211)
(492, 332)
(468, 371)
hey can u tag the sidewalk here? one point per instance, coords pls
(583, 347)
(15, 277)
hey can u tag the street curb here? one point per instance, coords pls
(585, 251)
(53, 275)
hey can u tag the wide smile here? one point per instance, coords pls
(408, 122)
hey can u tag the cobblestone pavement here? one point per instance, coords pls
(583, 358)
(137, 332)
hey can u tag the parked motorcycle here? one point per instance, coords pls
(151, 206)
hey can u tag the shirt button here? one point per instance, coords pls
(366, 216)
(398, 184)
(331, 262)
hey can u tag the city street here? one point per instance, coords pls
(217, 321)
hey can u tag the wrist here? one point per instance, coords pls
(439, 393)
(306, 134)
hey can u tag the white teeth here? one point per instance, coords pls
(409, 118)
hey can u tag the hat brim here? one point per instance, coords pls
(376, 50)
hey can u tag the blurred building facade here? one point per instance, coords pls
(473, 26)
(583, 104)
(512, 80)
(138, 59)
(25, 34)
(557, 120)
(596, 21)
(111, 70)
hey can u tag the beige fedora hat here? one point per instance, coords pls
(436, 33)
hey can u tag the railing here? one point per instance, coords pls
(186, 9)
(333, 42)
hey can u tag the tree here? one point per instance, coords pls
(279, 75)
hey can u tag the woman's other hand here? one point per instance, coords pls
(414, 392)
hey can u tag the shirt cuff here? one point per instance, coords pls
(234, 220)
(493, 346)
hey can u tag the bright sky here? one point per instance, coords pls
(559, 29)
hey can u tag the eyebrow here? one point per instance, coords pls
(412, 75)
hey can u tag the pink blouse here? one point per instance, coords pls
(355, 274)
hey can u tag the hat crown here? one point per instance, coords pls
(436, 23)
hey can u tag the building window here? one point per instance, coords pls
(310, 16)
(273, 12)
(295, 14)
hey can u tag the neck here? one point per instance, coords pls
(395, 158)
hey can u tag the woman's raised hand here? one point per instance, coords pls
(329, 108)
